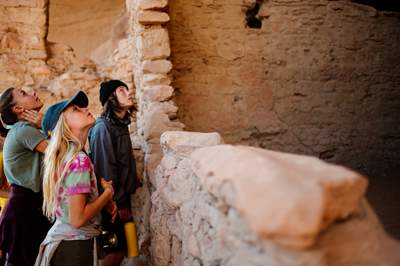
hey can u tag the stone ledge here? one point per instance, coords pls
(157, 66)
(157, 120)
(153, 4)
(184, 142)
(155, 79)
(284, 197)
(153, 17)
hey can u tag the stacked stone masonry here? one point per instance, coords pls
(31, 61)
(319, 77)
(236, 205)
(22, 46)
(157, 113)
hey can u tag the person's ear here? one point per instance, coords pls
(18, 109)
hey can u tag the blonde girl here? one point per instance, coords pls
(70, 195)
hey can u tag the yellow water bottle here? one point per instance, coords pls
(131, 239)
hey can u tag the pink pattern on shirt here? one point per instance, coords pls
(81, 163)
(78, 189)
(79, 179)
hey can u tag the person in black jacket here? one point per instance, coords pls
(111, 153)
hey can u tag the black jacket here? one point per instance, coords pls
(112, 156)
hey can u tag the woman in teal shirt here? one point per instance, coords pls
(22, 225)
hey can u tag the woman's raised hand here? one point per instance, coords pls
(33, 117)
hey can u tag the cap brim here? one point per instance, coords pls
(80, 99)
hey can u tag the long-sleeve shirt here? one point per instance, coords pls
(112, 156)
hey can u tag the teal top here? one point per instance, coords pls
(22, 164)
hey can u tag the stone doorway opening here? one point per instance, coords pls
(86, 25)
(87, 43)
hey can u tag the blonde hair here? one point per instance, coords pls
(62, 144)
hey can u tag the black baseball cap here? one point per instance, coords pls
(108, 87)
(53, 113)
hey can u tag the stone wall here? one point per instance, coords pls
(23, 27)
(156, 112)
(46, 46)
(237, 205)
(318, 78)
(52, 67)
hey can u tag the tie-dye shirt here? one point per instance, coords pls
(79, 179)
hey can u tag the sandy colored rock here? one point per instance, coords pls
(158, 93)
(118, 35)
(157, 122)
(157, 66)
(86, 25)
(155, 79)
(184, 142)
(26, 15)
(200, 223)
(285, 197)
(153, 17)
(154, 44)
(360, 241)
(287, 85)
(10, 40)
(36, 54)
(18, 3)
(281, 86)
(45, 70)
(169, 108)
(153, 4)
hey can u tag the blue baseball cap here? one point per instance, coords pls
(53, 113)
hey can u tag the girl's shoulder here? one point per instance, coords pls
(80, 162)
(79, 177)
